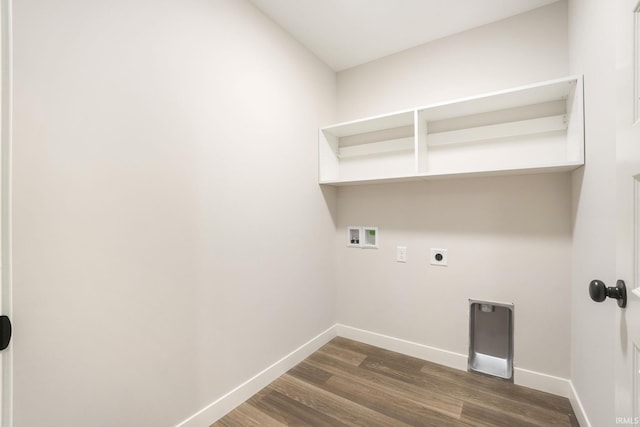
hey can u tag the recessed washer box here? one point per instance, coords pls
(354, 237)
(370, 237)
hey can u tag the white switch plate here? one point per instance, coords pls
(439, 257)
(401, 254)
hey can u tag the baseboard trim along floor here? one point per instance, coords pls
(223, 405)
(523, 377)
(578, 409)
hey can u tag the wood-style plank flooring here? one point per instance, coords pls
(348, 383)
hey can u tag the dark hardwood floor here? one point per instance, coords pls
(347, 383)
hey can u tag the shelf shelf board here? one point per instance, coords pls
(374, 180)
(371, 124)
(381, 147)
(555, 168)
(503, 130)
(500, 100)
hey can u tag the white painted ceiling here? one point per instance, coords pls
(346, 33)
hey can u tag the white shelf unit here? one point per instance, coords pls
(536, 128)
(382, 146)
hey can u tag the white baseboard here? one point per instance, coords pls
(576, 404)
(421, 351)
(225, 404)
(542, 382)
(535, 380)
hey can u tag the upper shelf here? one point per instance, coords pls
(535, 128)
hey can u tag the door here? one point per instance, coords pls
(627, 326)
(6, 362)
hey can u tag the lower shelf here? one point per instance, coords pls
(566, 167)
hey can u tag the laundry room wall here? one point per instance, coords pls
(508, 238)
(170, 238)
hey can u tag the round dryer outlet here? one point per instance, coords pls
(439, 257)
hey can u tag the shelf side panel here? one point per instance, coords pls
(575, 129)
(422, 129)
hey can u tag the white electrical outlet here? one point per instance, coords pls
(401, 254)
(439, 257)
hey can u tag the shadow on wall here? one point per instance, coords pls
(577, 178)
(329, 194)
(523, 205)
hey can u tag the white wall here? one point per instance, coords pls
(592, 52)
(524, 49)
(509, 238)
(170, 236)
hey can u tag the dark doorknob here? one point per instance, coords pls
(599, 292)
(5, 332)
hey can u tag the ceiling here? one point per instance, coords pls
(346, 33)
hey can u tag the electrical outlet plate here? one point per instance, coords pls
(401, 254)
(439, 257)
